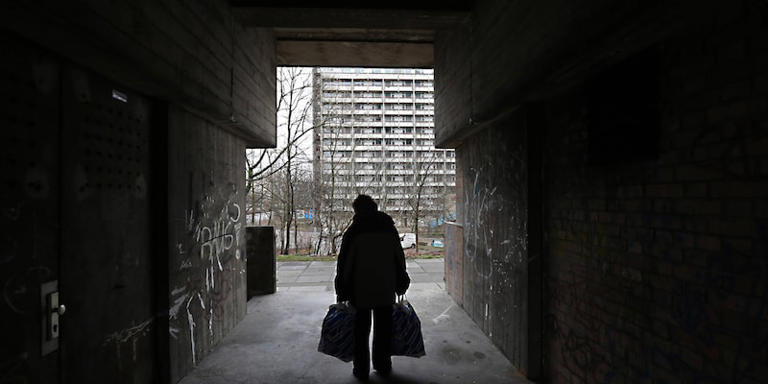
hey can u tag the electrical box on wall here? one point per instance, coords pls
(51, 311)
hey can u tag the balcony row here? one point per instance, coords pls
(389, 184)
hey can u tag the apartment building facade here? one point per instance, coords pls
(375, 135)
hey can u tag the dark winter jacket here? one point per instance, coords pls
(371, 265)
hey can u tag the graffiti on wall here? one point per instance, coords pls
(495, 237)
(212, 240)
(129, 336)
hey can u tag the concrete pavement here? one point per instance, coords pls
(314, 275)
(277, 340)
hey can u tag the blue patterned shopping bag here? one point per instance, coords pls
(406, 330)
(337, 337)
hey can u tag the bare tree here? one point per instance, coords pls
(424, 173)
(264, 165)
(331, 218)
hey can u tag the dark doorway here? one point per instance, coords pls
(77, 195)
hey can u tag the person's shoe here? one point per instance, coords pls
(360, 375)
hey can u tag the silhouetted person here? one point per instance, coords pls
(369, 272)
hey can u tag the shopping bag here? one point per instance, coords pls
(406, 330)
(337, 337)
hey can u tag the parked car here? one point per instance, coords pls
(407, 240)
(437, 243)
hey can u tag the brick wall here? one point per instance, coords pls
(656, 270)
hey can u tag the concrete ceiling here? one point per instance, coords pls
(391, 34)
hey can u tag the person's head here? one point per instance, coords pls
(364, 205)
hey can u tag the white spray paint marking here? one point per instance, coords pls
(128, 333)
(220, 237)
(131, 334)
(237, 217)
(186, 264)
(173, 332)
(191, 322)
(238, 230)
(210, 321)
(174, 309)
(443, 315)
(178, 290)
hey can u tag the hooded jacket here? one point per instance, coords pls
(371, 264)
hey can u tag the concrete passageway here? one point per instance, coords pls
(277, 340)
(611, 165)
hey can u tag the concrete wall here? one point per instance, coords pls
(493, 165)
(454, 261)
(212, 83)
(192, 54)
(206, 200)
(656, 269)
(29, 197)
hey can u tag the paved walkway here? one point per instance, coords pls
(277, 340)
(296, 276)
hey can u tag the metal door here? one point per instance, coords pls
(106, 264)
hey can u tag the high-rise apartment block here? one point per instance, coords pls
(375, 135)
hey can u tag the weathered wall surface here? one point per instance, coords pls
(514, 50)
(653, 260)
(218, 79)
(657, 269)
(207, 267)
(452, 47)
(454, 261)
(29, 206)
(192, 53)
(76, 204)
(494, 174)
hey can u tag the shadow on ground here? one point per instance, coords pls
(277, 343)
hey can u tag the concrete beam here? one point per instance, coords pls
(356, 34)
(355, 54)
(518, 52)
(163, 70)
(255, 16)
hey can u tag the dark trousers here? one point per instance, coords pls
(382, 338)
